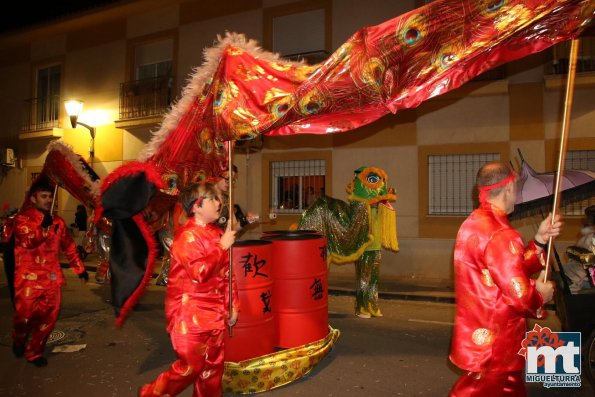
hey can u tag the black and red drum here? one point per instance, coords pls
(300, 288)
(255, 333)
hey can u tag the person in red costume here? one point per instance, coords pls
(38, 277)
(197, 298)
(494, 293)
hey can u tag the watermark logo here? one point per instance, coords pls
(552, 358)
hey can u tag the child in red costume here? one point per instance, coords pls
(197, 298)
(38, 277)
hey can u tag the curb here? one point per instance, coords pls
(395, 295)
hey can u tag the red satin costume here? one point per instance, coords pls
(38, 278)
(196, 310)
(494, 296)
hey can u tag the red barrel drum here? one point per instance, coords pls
(255, 333)
(300, 288)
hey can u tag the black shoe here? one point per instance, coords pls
(40, 362)
(18, 350)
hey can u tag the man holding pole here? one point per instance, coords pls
(494, 293)
(38, 277)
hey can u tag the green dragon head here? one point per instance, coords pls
(369, 185)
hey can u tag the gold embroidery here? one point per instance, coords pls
(185, 299)
(514, 17)
(187, 371)
(31, 276)
(518, 287)
(482, 336)
(182, 328)
(279, 66)
(195, 320)
(274, 94)
(259, 69)
(235, 51)
(512, 248)
(486, 278)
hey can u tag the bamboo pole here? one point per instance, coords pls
(54, 199)
(230, 225)
(563, 140)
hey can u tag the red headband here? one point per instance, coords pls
(198, 201)
(483, 190)
(195, 201)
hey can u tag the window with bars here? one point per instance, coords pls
(295, 184)
(579, 160)
(43, 111)
(451, 179)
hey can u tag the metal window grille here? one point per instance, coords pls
(579, 160)
(296, 184)
(451, 179)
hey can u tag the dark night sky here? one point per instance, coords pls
(28, 13)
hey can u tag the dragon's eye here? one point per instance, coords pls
(373, 178)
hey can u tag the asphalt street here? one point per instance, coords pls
(403, 353)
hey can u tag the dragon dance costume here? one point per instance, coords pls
(196, 309)
(242, 92)
(494, 296)
(357, 231)
(38, 278)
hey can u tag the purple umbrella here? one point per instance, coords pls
(536, 190)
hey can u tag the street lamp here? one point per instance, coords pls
(74, 108)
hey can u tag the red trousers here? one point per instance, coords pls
(200, 362)
(490, 384)
(35, 315)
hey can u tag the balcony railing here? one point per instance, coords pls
(585, 61)
(41, 113)
(145, 98)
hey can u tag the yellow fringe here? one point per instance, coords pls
(387, 217)
(341, 259)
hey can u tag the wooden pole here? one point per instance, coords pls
(563, 140)
(54, 199)
(230, 224)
